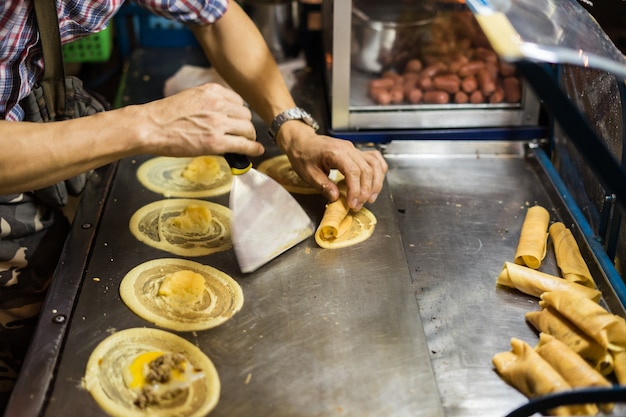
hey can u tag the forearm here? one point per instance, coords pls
(204, 120)
(45, 153)
(238, 52)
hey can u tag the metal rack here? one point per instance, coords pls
(354, 116)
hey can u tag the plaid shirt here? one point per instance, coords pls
(21, 61)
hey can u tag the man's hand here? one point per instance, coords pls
(205, 120)
(313, 156)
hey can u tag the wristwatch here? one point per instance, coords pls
(295, 113)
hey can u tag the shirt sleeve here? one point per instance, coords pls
(187, 11)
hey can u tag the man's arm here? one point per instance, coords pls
(208, 119)
(236, 49)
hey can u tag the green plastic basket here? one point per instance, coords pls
(93, 48)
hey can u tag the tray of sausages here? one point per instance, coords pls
(454, 64)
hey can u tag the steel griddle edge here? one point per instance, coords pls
(404, 324)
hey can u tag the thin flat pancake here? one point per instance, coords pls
(216, 299)
(279, 168)
(203, 176)
(108, 367)
(185, 227)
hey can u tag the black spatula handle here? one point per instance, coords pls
(239, 164)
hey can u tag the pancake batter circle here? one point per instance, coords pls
(279, 168)
(164, 175)
(221, 296)
(105, 376)
(151, 224)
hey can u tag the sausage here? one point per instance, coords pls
(390, 75)
(486, 82)
(410, 82)
(506, 69)
(485, 55)
(380, 96)
(457, 61)
(436, 97)
(448, 83)
(471, 68)
(397, 95)
(461, 98)
(415, 96)
(424, 83)
(476, 97)
(381, 83)
(512, 89)
(434, 69)
(413, 65)
(469, 84)
(497, 96)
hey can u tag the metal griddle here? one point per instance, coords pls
(404, 324)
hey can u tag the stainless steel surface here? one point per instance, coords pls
(321, 331)
(460, 207)
(266, 220)
(404, 324)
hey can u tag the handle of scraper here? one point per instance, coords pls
(238, 163)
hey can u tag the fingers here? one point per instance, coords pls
(208, 119)
(364, 171)
(364, 174)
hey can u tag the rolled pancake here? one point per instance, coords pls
(531, 248)
(186, 227)
(180, 294)
(572, 367)
(340, 227)
(549, 321)
(535, 283)
(533, 376)
(202, 176)
(619, 361)
(608, 329)
(576, 371)
(279, 168)
(568, 257)
(107, 375)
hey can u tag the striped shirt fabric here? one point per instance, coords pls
(21, 60)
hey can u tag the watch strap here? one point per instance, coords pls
(295, 113)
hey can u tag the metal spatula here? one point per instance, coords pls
(266, 220)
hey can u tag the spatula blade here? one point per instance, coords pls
(267, 220)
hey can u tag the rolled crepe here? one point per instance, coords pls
(609, 330)
(531, 248)
(568, 257)
(532, 282)
(576, 371)
(573, 368)
(549, 321)
(619, 361)
(533, 376)
(337, 217)
(336, 220)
